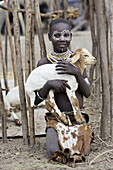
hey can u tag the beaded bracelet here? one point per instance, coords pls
(41, 98)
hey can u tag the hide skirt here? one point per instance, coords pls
(74, 140)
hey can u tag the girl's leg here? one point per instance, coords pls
(52, 143)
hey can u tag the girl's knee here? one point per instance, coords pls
(51, 151)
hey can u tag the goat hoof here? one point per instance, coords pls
(18, 122)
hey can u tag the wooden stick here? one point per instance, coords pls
(51, 4)
(106, 27)
(65, 4)
(11, 45)
(3, 114)
(31, 123)
(99, 156)
(39, 30)
(104, 142)
(6, 47)
(28, 65)
(72, 13)
(21, 20)
(57, 4)
(31, 110)
(3, 66)
(27, 37)
(94, 38)
(111, 69)
(6, 58)
(23, 108)
(104, 70)
(33, 44)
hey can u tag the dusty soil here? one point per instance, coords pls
(16, 156)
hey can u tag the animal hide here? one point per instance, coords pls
(74, 141)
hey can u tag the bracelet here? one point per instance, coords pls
(41, 98)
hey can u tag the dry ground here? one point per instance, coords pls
(16, 156)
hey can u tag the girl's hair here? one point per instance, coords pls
(59, 20)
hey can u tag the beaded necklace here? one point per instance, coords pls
(56, 57)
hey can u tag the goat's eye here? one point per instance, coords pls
(85, 55)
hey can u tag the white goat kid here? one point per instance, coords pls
(12, 100)
(39, 76)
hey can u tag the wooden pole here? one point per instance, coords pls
(95, 49)
(6, 48)
(27, 37)
(23, 108)
(111, 69)
(3, 66)
(93, 36)
(11, 45)
(21, 20)
(3, 114)
(28, 7)
(57, 4)
(106, 27)
(33, 43)
(6, 37)
(39, 30)
(65, 4)
(97, 69)
(73, 13)
(31, 123)
(51, 4)
(104, 70)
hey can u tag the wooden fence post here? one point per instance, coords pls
(21, 20)
(104, 70)
(28, 7)
(3, 115)
(20, 74)
(65, 4)
(111, 69)
(93, 35)
(11, 45)
(39, 30)
(27, 37)
(57, 5)
(33, 42)
(3, 66)
(33, 45)
(6, 49)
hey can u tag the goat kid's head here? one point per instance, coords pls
(82, 58)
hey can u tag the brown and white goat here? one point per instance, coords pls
(39, 76)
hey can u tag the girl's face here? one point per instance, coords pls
(60, 36)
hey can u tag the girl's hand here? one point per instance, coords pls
(65, 67)
(58, 85)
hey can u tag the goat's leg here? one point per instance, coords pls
(0, 126)
(75, 105)
(52, 107)
(16, 119)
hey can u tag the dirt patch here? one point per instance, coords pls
(16, 156)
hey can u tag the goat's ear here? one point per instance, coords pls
(75, 57)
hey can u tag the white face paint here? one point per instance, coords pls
(64, 35)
